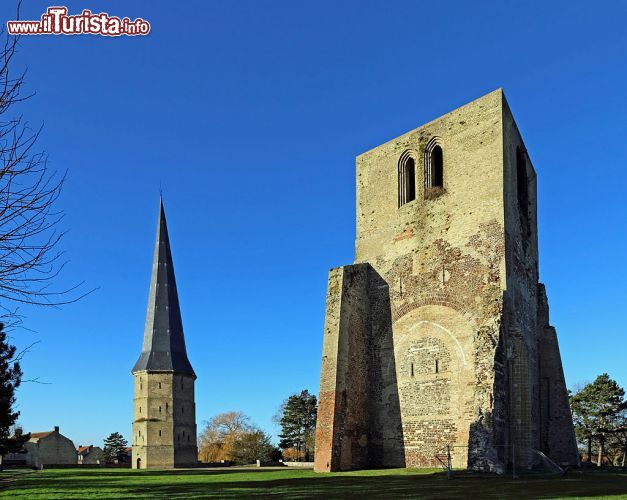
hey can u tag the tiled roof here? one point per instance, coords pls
(39, 435)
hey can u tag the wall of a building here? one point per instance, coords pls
(342, 424)
(54, 449)
(520, 299)
(451, 322)
(164, 420)
(93, 457)
(556, 433)
(443, 261)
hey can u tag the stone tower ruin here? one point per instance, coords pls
(438, 335)
(164, 412)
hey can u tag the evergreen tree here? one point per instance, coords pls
(618, 440)
(596, 410)
(114, 448)
(297, 418)
(10, 379)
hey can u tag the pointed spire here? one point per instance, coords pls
(164, 344)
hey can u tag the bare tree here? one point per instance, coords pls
(29, 222)
(220, 434)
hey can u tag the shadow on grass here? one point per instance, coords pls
(306, 484)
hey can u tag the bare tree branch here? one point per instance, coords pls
(30, 233)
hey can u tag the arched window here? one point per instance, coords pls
(434, 167)
(437, 167)
(406, 179)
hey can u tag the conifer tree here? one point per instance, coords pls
(297, 418)
(114, 448)
(10, 379)
(596, 410)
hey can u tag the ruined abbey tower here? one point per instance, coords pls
(164, 412)
(438, 335)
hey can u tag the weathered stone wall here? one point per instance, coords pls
(520, 299)
(442, 259)
(342, 425)
(557, 436)
(539, 414)
(94, 456)
(54, 449)
(164, 423)
(451, 321)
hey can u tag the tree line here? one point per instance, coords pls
(232, 437)
(599, 412)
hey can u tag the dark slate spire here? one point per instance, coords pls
(164, 344)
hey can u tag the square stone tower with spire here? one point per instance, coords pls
(438, 338)
(164, 411)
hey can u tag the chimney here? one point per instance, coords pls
(56, 428)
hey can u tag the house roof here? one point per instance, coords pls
(39, 435)
(163, 349)
(83, 449)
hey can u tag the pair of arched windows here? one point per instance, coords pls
(433, 172)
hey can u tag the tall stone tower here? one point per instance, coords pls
(438, 335)
(164, 412)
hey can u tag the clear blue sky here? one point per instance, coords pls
(250, 114)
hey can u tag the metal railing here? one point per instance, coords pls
(532, 460)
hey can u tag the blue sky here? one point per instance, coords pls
(250, 114)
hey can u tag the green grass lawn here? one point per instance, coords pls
(230, 483)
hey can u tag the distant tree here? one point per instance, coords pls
(276, 454)
(232, 437)
(617, 441)
(14, 443)
(583, 420)
(251, 446)
(596, 412)
(114, 448)
(297, 418)
(219, 435)
(10, 378)
(291, 454)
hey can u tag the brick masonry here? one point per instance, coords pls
(438, 335)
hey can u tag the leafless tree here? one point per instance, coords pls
(30, 258)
